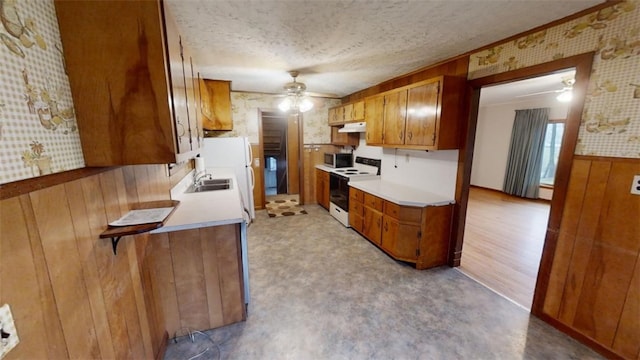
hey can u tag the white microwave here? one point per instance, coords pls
(338, 160)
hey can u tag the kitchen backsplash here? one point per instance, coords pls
(611, 117)
(245, 106)
(433, 170)
(38, 131)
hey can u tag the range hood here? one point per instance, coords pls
(354, 127)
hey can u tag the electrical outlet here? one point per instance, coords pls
(9, 338)
(635, 186)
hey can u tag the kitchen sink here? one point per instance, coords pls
(210, 185)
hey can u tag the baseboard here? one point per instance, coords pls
(597, 347)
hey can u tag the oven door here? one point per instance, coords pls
(339, 191)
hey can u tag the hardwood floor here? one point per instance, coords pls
(503, 242)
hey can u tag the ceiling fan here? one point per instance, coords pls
(295, 97)
(564, 94)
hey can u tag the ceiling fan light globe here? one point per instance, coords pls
(305, 104)
(285, 105)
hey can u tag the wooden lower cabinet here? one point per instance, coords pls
(418, 235)
(322, 188)
(198, 277)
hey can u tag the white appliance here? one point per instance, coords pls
(233, 152)
(363, 169)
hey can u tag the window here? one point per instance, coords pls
(552, 143)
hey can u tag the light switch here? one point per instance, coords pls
(9, 338)
(256, 162)
(635, 186)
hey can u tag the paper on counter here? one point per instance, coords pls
(143, 216)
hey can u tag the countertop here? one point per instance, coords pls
(325, 168)
(204, 209)
(400, 194)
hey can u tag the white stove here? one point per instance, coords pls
(364, 168)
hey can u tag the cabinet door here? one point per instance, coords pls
(322, 188)
(400, 240)
(372, 225)
(422, 112)
(395, 114)
(121, 102)
(347, 111)
(193, 100)
(356, 211)
(219, 93)
(332, 116)
(358, 111)
(339, 115)
(178, 87)
(374, 116)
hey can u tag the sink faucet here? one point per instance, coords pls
(198, 177)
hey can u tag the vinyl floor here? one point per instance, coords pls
(321, 291)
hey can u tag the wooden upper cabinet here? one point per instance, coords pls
(358, 111)
(215, 104)
(352, 112)
(424, 116)
(422, 113)
(343, 138)
(347, 111)
(128, 81)
(395, 116)
(373, 114)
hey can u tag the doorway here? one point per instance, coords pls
(505, 233)
(280, 142)
(582, 64)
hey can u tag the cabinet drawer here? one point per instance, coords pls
(356, 194)
(403, 213)
(355, 208)
(373, 202)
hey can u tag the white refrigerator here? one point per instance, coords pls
(233, 152)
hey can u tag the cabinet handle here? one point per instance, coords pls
(386, 226)
(410, 135)
(378, 222)
(181, 129)
(401, 135)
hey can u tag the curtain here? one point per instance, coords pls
(522, 177)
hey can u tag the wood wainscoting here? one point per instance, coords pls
(593, 288)
(70, 296)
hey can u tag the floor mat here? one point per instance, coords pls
(282, 206)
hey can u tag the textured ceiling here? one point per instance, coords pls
(546, 86)
(341, 47)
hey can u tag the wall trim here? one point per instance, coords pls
(26, 186)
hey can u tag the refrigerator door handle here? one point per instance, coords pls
(250, 153)
(253, 177)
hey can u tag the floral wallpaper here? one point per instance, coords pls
(245, 107)
(611, 117)
(38, 132)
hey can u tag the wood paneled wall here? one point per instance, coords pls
(594, 284)
(454, 67)
(197, 274)
(313, 155)
(71, 297)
